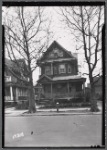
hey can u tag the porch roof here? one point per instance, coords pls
(61, 78)
(75, 77)
(57, 60)
(17, 85)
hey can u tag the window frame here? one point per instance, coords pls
(55, 70)
(69, 69)
(62, 70)
(47, 69)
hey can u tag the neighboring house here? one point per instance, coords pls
(15, 89)
(59, 74)
(98, 85)
(98, 89)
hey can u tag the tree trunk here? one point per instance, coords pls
(32, 108)
(94, 107)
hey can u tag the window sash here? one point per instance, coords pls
(62, 69)
(69, 69)
(55, 70)
(47, 71)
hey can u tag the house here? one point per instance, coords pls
(98, 85)
(98, 88)
(59, 74)
(15, 89)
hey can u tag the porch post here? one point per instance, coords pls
(11, 93)
(84, 87)
(84, 90)
(68, 87)
(51, 91)
(16, 94)
(39, 93)
(51, 68)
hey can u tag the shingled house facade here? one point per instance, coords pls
(59, 77)
(15, 89)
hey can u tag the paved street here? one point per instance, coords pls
(69, 130)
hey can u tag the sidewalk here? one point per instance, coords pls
(51, 112)
(13, 112)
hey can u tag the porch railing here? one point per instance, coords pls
(64, 95)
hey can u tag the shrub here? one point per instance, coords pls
(86, 104)
(22, 105)
(10, 104)
(94, 107)
(77, 100)
(87, 97)
(98, 96)
(23, 98)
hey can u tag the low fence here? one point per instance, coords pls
(23, 98)
(62, 95)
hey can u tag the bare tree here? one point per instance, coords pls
(85, 23)
(26, 37)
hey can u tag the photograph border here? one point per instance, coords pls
(104, 61)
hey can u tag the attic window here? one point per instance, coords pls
(55, 55)
(51, 55)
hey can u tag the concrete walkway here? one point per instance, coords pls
(13, 112)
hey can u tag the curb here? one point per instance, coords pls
(57, 114)
(24, 114)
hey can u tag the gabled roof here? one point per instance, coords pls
(68, 52)
(13, 65)
(47, 77)
(63, 78)
(8, 62)
(57, 45)
(98, 81)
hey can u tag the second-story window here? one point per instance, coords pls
(55, 70)
(69, 69)
(62, 68)
(47, 70)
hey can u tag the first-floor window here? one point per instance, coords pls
(62, 68)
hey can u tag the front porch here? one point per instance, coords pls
(64, 90)
(13, 93)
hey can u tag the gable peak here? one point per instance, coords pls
(56, 48)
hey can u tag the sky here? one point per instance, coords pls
(64, 38)
(60, 35)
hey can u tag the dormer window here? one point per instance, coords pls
(62, 68)
(47, 70)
